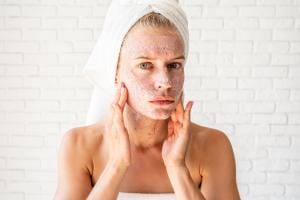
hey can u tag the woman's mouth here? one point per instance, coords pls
(162, 102)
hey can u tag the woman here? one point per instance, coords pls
(146, 142)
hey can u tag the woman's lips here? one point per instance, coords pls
(162, 102)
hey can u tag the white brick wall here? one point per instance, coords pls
(243, 72)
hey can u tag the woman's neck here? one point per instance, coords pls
(144, 133)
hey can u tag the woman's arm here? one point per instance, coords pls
(183, 185)
(107, 186)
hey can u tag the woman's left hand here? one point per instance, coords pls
(175, 145)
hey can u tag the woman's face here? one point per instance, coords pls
(151, 65)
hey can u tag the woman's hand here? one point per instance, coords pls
(175, 146)
(118, 139)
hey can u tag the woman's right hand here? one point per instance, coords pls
(118, 138)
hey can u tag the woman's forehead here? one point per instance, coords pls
(147, 41)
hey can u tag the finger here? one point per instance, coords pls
(179, 110)
(170, 128)
(118, 118)
(123, 97)
(117, 94)
(187, 113)
(173, 116)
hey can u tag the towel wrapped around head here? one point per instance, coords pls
(101, 66)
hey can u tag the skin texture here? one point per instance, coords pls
(145, 148)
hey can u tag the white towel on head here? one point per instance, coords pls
(101, 66)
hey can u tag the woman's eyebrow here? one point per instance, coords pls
(145, 57)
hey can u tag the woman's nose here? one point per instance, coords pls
(162, 80)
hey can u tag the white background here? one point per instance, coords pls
(243, 74)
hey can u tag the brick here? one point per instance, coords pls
(92, 23)
(215, 59)
(12, 174)
(205, 46)
(39, 11)
(11, 58)
(242, 141)
(286, 177)
(14, 196)
(58, 93)
(277, 23)
(243, 165)
(42, 128)
(59, 23)
(237, 2)
(269, 119)
(288, 11)
(213, 83)
(8, 82)
(293, 190)
(23, 164)
(40, 175)
(274, 2)
(56, 47)
(74, 11)
(285, 129)
(22, 117)
(207, 23)
(21, 94)
(39, 35)
(42, 105)
(10, 35)
(24, 186)
(40, 58)
(255, 35)
(255, 83)
(59, 70)
(290, 107)
(241, 23)
(200, 2)
(58, 116)
(251, 59)
(233, 118)
(272, 141)
(73, 82)
(11, 105)
(251, 177)
(9, 11)
(3, 140)
(284, 153)
(217, 35)
(235, 46)
(21, 47)
(256, 11)
(99, 11)
(220, 11)
(83, 46)
(234, 72)
(272, 95)
(295, 95)
(192, 83)
(21, 70)
(192, 72)
(73, 58)
(203, 95)
(41, 81)
(271, 47)
(286, 35)
(291, 83)
(236, 95)
(256, 107)
(22, 22)
(271, 165)
(285, 59)
(220, 107)
(294, 118)
(69, 35)
(52, 141)
(295, 165)
(295, 47)
(270, 72)
(263, 189)
(10, 128)
(28, 153)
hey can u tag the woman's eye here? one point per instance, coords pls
(144, 65)
(174, 65)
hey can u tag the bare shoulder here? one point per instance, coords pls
(211, 143)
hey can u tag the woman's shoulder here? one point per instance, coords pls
(83, 140)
